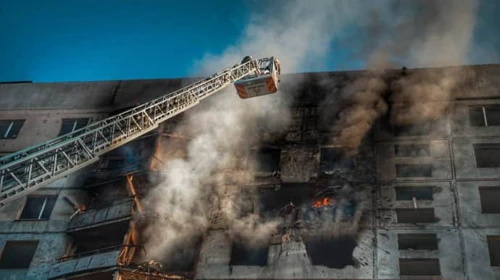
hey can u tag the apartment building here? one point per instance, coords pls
(421, 198)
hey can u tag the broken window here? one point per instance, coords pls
(417, 241)
(413, 170)
(268, 160)
(490, 196)
(18, 254)
(38, 207)
(320, 251)
(487, 115)
(335, 158)
(250, 255)
(414, 216)
(9, 129)
(273, 200)
(419, 193)
(494, 249)
(70, 125)
(422, 267)
(487, 155)
(412, 150)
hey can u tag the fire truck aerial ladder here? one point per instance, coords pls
(32, 168)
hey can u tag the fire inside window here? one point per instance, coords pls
(487, 115)
(70, 125)
(9, 129)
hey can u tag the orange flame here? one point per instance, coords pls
(322, 203)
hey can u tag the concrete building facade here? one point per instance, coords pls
(422, 197)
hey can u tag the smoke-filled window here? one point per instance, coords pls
(335, 158)
(419, 267)
(490, 196)
(417, 241)
(412, 150)
(413, 170)
(487, 115)
(251, 255)
(268, 159)
(487, 155)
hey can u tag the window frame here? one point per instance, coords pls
(6, 136)
(484, 109)
(75, 123)
(42, 209)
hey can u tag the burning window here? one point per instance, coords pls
(419, 267)
(487, 155)
(70, 125)
(331, 252)
(268, 160)
(494, 249)
(490, 196)
(414, 216)
(413, 170)
(487, 115)
(412, 150)
(417, 241)
(38, 207)
(18, 254)
(419, 193)
(9, 129)
(335, 158)
(249, 255)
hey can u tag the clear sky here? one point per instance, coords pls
(82, 40)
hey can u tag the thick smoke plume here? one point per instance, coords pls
(418, 34)
(194, 192)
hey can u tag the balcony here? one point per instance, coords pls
(89, 261)
(114, 212)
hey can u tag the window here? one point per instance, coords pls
(413, 170)
(412, 150)
(268, 159)
(419, 193)
(38, 207)
(494, 249)
(17, 254)
(487, 115)
(9, 129)
(487, 155)
(70, 125)
(413, 130)
(415, 216)
(417, 241)
(419, 267)
(242, 254)
(490, 196)
(335, 158)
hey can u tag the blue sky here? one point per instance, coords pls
(57, 40)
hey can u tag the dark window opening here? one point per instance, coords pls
(419, 193)
(38, 207)
(494, 249)
(18, 254)
(183, 256)
(9, 129)
(487, 115)
(243, 254)
(413, 130)
(418, 241)
(412, 150)
(487, 155)
(268, 160)
(422, 267)
(335, 158)
(70, 125)
(490, 198)
(413, 216)
(332, 253)
(103, 238)
(272, 201)
(413, 170)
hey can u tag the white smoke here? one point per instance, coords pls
(194, 190)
